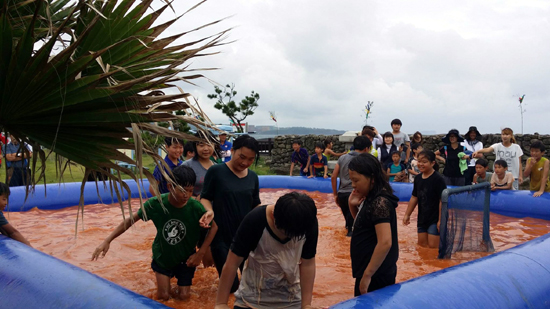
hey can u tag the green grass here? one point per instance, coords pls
(261, 168)
(76, 171)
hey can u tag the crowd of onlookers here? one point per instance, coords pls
(463, 157)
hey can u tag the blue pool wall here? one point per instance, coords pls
(518, 277)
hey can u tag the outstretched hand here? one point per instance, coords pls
(206, 218)
(101, 249)
(194, 260)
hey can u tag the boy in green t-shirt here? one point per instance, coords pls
(178, 232)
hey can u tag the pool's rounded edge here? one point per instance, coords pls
(32, 279)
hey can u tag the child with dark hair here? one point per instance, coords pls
(5, 227)
(427, 190)
(537, 169)
(174, 151)
(397, 170)
(472, 143)
(385, 151)
(501, 179)
(176, 216)
(401, 140)
(375, 137)
(318, 162)
(374, 247)
(481, 174)
(231, 190)
(300, 156)
(189, 151)
(328, 149)
(361, 144)
(279, 243)
(413, 170)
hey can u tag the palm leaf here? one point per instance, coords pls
(85, 101)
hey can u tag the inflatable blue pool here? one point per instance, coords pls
(519, 277)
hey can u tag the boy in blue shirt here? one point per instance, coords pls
(176, 217)
(397, 170)
(318, 162)
(300, 156)
(174, 151)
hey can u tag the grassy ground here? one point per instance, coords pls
(76, 172)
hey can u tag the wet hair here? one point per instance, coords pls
(368, 127)
(184, 176)
(249, 142)
(172, 140)
(396, 121)
(361, 143)
(395, 152)
(299, 142)
(320, 145)
(368, 132)
(482, 162)
(415, 146)
(296, 214)
(369, 166)
(188, 147)
(511, 132)
(430, 155)
(4, 189)
(417, 133)
(538, 145)
(501, 163)
(327, 142)
(388, 134)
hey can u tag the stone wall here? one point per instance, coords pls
(282, 147)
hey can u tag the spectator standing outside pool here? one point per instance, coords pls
(5, 227)
(401, 140)
(318, 162)
(418, 138)
(17, 155)
(231, 190)
(537, 168)
(174, 150)
(472, 142)
(385, 151)
(508, 151)
(225, 147)
(361, 144)
(4, 142)
(300, 156)
(189, 151)
(450, 155)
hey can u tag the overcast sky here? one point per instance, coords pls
(436, 65)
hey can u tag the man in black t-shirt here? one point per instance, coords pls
(231, 190)
(280, 242)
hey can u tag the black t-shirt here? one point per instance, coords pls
(452, 168)
(252, 228)
(232, 199)
(376, 210)
(428, 191)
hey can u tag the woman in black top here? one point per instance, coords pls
(374, 248)
(449, 155)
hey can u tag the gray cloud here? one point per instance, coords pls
(434, 65)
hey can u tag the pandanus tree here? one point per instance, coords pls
(81, 78)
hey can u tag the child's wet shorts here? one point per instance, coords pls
(432, 229)
(182, 272)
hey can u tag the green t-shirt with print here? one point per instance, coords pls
(178, 230)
